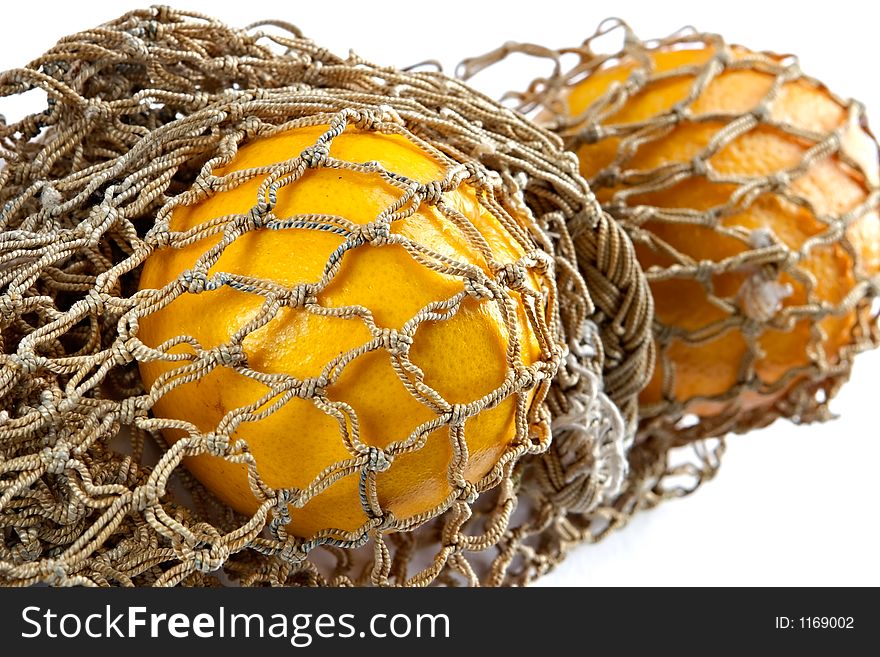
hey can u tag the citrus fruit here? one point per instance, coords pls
(737, 335)
(366, 388)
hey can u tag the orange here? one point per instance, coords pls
(705, 374)
(463, 357)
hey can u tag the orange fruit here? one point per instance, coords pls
(708, 376)
(462, 357)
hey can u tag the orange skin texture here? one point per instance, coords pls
(463, 358)
(712, 367)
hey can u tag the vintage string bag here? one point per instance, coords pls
(750, 191)
(140, 115)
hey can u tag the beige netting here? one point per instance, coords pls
(139, 114)
(764, 271)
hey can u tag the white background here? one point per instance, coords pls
(791, 505)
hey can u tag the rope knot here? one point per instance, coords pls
(761, 113)
(194, 280)
(375, 233)
(367, 120)
(250, 126)
(160, 236)
(704, 271)
(216, 444)
(477, 288)
(9, 305)
(699, 167)
(129, 409)
(229, 355)
(476, 175)
(54, 573)
(152, 29)
(793, 69)
(761, 238)
(96, 109)
(29, 362)
(309, 388)
(95, 301)
(760, 298)
(591, 134)
(393, 341)
(377, 459)
(48, 408)
(50, 198)
(144, 496)
(121, 352)
(458, 413)
(779, 180)
(663, 333)
(432, 192)
(526, 379)
(206, 561)
(607, 177)
(513, 275)
(468, 492)
(723, 56)
(228, 64)
(679, 112)
(299, 295)
(99, 221)
(635, 81)
(56, 70)
(55, 458)
(314, 156)
(254, 219)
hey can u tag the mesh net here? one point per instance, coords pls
(751, 193)
(141, 115)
